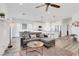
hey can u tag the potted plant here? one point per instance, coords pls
(2, 15)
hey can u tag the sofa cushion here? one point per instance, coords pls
(48, 42)
(33, 35)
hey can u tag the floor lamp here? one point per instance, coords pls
(11, 25)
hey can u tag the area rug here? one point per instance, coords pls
(49, 52)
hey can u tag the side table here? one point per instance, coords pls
(34, 45)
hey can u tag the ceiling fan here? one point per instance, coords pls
(47, 5)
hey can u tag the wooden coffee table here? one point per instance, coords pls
(35, 44)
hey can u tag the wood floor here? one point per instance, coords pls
(49, 52)
(53, 51)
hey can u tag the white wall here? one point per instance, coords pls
(4, 31)
(4, 36)
(75, 30)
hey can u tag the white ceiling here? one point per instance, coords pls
(35, 14)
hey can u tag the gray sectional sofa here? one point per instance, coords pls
(26, 37)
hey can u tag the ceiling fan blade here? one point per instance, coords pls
(54, 5)
(39, 6)
(47, 7)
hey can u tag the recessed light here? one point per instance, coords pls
(20, 3)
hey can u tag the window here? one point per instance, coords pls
(24, 26)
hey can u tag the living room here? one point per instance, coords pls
(42, 31)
